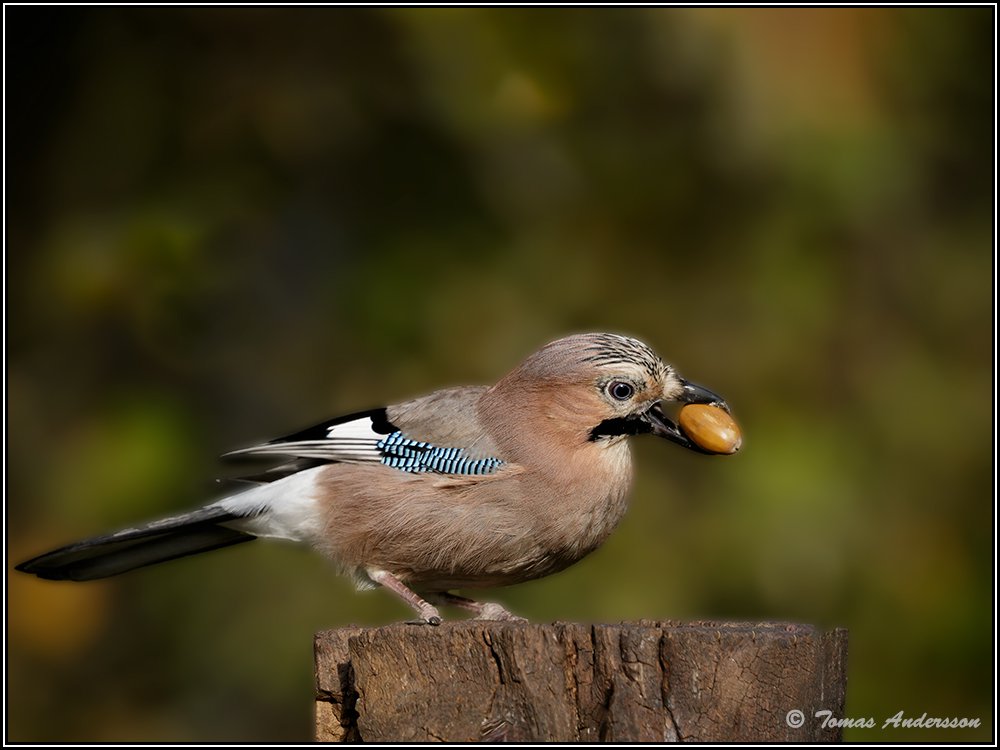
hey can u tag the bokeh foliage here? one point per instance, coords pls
(224, 223)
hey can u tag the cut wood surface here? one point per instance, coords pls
(476, 681)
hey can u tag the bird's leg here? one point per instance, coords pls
(427, 612)
(482, 610)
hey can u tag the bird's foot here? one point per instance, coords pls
(480, 610)
(494, 611)
(430, 617)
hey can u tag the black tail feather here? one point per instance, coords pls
(159, 541)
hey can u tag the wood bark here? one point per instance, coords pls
(476, 681)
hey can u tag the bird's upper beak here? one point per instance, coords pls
(664, 427)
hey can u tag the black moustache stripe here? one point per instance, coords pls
(619, 426)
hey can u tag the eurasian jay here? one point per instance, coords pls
(464, 488)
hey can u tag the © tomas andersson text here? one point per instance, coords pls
(898, 721)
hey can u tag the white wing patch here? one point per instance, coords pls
(354, 442)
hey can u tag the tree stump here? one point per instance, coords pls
(641, 681)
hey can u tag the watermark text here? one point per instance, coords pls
(796, 718)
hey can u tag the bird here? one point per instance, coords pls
(465, 488)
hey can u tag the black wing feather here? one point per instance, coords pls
(379, 418)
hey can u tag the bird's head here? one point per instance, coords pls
(604, 386)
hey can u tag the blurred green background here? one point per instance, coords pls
(226, 224)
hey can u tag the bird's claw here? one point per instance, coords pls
(424, 621)
(428, 615)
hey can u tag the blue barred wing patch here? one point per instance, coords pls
(400, 452)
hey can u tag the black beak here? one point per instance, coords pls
(664, 427)
(696, 394)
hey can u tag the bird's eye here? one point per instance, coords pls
(621, 391)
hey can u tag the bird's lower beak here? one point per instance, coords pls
(664, 427)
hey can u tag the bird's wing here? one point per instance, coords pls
(353, 438)
(438, 433)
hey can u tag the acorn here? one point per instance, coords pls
(711, 428)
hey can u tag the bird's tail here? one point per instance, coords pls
(167, 539)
